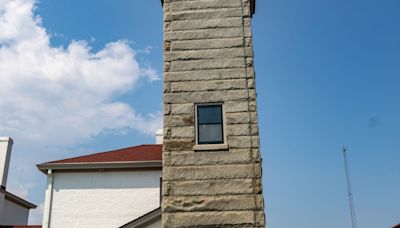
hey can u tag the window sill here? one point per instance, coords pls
(210, 147)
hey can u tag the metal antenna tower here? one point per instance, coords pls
(349, 191)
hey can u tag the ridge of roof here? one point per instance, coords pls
(144, 152)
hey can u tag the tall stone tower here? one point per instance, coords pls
(211, 159)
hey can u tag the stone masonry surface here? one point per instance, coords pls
(208, 58)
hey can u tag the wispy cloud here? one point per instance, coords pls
(60, 97)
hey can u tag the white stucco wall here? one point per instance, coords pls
(102, 199)
(14, 214)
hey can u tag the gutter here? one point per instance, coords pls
(99, 165)
(15, 199)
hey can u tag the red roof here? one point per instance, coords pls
(136, 153)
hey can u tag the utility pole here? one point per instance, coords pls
(349, 191)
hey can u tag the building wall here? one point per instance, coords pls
(2, 202)
(5, 155)
(208, 58)
(14, 214)
(102, 199)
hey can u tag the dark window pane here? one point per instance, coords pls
(209, 114)
(210, 133)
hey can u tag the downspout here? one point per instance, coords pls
(48, 200)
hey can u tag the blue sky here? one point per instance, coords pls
(327, 75)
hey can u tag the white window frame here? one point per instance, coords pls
(222, 146)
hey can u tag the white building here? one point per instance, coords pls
(119, 188)
(13, 209)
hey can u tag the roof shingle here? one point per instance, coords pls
(150, 152)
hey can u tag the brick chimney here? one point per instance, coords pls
(5, 155)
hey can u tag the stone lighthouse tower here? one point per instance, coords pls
(211, 157)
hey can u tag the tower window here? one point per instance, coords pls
(210, 124)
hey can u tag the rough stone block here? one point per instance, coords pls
(237, 130)
(247, 22)
(166, 187)
(167, 109)
(260, 218)
(178, 120)
(240, 141)
(208, 219)
(211, 172)
(178, 109)
(256, 141)
(166, 133)
(241, 118)
(206, 24)
(204, 14)
(243, 141)
(207, 34)
(208, 54)
(208, 85)
(206, 64)
(182, 132)
(210, 158)
(254, 129)
(213, 187)
(251, 83)
(208, 96)
(178, 145)
(250, 73)
(256, 154)
(167, 66)
(236, 106)
(203, 4)
(207, 44)
(213, 203)
(199, 75)
(252, 94)
(238, 118)
(253, 106)
(167, 87)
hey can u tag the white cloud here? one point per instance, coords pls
(56, 97)
(19, 189)
(63, 96)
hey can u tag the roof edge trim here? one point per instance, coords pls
(99, 165)
(18, 200)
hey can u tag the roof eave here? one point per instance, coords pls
(99, 165)
(17, 200)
